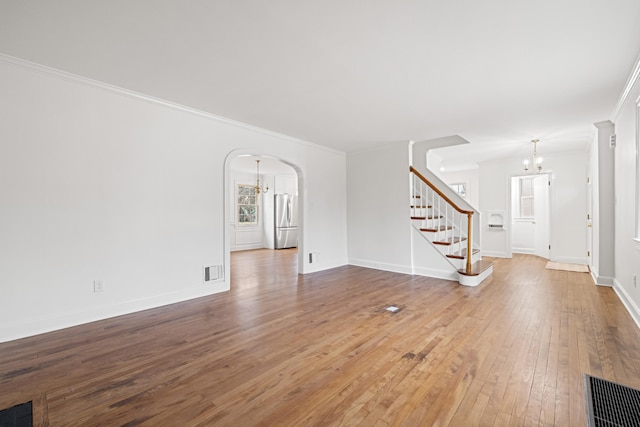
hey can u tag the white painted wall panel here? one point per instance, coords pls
(96, 183)
(378, 209)
(627, 252)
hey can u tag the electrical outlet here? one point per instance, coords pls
(98, 285)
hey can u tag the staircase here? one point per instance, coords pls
(449, 228)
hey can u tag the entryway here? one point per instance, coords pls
(530, 229)
(255, 187)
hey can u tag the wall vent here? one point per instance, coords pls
(212, 273)
(610, 404)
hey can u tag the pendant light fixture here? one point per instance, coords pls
(258, 188)
(537, 161)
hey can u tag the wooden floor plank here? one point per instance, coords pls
(320, 350)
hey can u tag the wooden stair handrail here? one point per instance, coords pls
(469, 214)
(440, 193)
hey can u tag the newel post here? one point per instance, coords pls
(469, 240)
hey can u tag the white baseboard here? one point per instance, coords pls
(525, 251)
(248, 247)
(395, 268)
(602, 280)
(628, 303)
(495, 254)
(323, 264)
(438, 274)
(21, 329)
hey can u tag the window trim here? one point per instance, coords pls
(464, 186)
(238, 205)
(518, 214)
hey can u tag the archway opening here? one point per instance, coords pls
(263, 217)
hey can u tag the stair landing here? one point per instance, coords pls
(480, 270)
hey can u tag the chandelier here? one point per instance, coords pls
(258, 188)
(537, 161)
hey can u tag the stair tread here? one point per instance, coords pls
(462, 254)
(435, 230)
(426, 217)
(450, 241)
(477, 268)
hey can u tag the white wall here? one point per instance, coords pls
(567, 209)
(471, 178)
(603, 171)
(378, 208)
(627, 251)
(98, 183)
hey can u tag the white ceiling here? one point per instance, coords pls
(352, 74)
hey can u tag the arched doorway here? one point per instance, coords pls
(250, 214)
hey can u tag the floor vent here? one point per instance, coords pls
(17, 416)
(611, 404)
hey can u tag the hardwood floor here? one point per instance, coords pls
(321, 350)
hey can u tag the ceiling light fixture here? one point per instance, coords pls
(537, 161)
(258, 188)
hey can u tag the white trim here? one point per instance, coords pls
(631, 81)
(495, 254)
(602, 280)
(394, 268)
(628, 303)
(636, 244)
(34, 326)
(525, 251)
(77, 79)
(325, 264)
(247, 247)
(438, 274)
(474, 280)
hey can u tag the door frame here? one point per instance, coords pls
(509, 236)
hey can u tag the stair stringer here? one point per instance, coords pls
(427, 260)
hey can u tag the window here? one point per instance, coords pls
(247, 205)
(526, 197)
(461, 189)
(522, 197)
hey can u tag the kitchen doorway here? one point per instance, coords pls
(255, 186)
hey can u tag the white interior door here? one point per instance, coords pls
(541, 215)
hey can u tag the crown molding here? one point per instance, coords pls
(85, 81)
(631, 81)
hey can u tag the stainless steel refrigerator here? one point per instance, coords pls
(286, 221)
